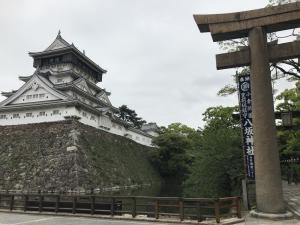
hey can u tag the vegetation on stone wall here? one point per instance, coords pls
(117, 160)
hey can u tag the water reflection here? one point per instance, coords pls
(166, 189)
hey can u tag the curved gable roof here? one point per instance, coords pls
(42, 82)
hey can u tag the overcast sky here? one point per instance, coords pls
(158, 63)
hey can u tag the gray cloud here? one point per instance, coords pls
(158, 63)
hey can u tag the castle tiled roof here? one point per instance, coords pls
(60, 45)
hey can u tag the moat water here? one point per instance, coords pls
(154, 190)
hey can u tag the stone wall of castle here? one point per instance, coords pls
(68, 155)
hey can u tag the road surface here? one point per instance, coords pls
(27, 219)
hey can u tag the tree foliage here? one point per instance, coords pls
(175, 148)
(286, 68)
(130, 116)
(290, 99)
(218, 168)
(289, 139)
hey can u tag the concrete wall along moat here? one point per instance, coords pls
(68, 155)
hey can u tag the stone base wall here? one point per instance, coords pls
(68, 155)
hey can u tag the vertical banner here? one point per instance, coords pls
(244, 88)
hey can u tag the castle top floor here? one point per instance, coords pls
(60, 53)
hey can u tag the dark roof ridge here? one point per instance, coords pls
(58, 38)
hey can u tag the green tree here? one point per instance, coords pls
(286, 68)
(289, 139)
(218, 168)
(175, 149)
(174, 155)
(130, 116)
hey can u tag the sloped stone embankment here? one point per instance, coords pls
(64, 156)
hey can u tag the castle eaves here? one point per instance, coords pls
(59, 46)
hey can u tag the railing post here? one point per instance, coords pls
(217, 210)
(57, 203)
(156, 209)
(238, 207)
(133, 207)
(74, 204)
(25, 202)
(11, 205)
(112, 206)
(92, 204)
(198, 212)
(181, 209)
(41, 203)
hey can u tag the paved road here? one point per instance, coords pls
(254, 221)
(292, 196)
(20, 219)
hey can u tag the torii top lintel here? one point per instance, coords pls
(238, 24)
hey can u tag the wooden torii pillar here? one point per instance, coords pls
(255, 24)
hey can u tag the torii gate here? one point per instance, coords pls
(255, 24)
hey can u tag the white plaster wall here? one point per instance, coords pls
(57, 67)
(118, 129)
(139, 138)
(23, 99)
(35, 118)
(61, 79)
(153, 133)
(105, 122)
(86, 118)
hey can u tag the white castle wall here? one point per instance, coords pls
(59, 114)
(37, 116)
(139, 138)
(104, 123)
(31, 95)
(61, 79)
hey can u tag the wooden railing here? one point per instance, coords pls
(155, 207)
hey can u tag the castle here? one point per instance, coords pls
(64, 86)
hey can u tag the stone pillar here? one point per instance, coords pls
(269, 195)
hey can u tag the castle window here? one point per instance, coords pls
(28, 97)
(16, 115)
(28, 114)
(84, 114)
(42, 113)
(41, 95)
(93, 118)
(3, 116)
(55, 112)
(60, 80)
(35, 96)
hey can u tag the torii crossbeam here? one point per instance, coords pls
(255, 24)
